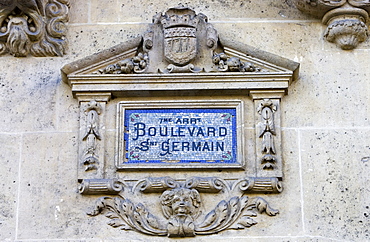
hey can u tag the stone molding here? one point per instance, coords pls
(347, 20)
(248, 185)
(33, 27)
(181, 54)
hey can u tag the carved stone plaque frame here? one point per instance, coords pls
(179, 56)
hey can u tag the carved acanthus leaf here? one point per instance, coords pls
(223, 216)
(235, 213)
(181, 207)
(244, 222)
(263, 206)
(226, 63)
(137, 64)
(125, 215)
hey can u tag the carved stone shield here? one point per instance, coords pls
(180, 45)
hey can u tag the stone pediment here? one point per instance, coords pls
(179, 54)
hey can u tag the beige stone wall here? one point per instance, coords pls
(325, 127)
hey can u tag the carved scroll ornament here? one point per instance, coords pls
(347, 20)
(182, 207)
(35, 27)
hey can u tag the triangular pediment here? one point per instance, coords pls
(180, 47)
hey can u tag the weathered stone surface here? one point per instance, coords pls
(335, 170)
(285, 36)
(88, 39)
(9, 182)
(288, 222)
(28, 104)
(50, 209)
(345, 107)
(66, 109)
(79, 14)
(142, 11)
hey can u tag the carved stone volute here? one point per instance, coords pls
(347, 20)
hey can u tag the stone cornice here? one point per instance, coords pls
(133, 84)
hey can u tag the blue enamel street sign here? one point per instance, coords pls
(180, 136)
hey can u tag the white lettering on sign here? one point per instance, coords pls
(180, 135)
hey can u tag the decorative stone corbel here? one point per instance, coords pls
(347, 20)
(33, 27)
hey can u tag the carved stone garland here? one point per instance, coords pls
(33, 27)
(347, 20)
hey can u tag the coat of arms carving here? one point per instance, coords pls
(180, 39)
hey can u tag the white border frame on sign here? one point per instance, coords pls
(169, 104)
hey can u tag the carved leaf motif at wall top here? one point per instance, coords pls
(182, 207)
(35, 27)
